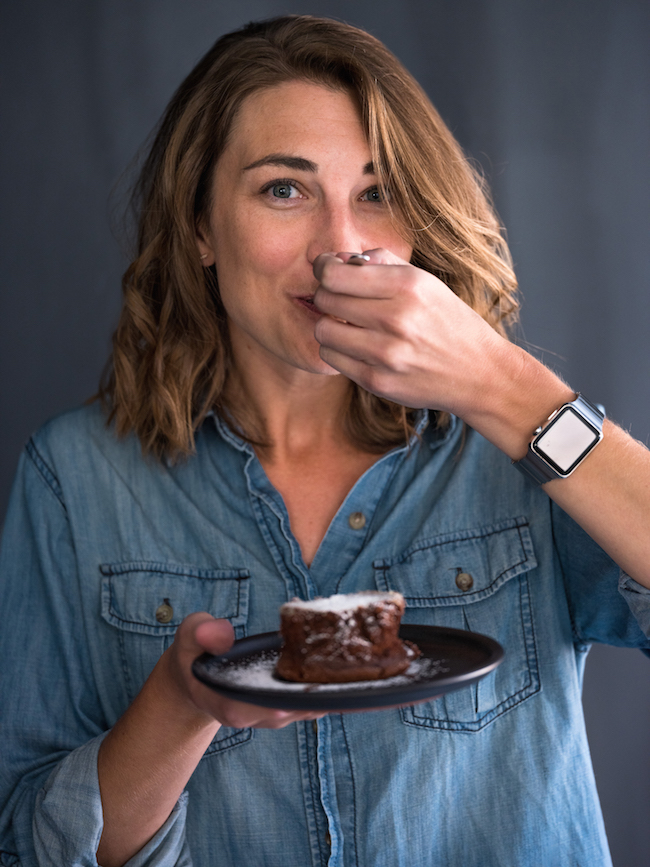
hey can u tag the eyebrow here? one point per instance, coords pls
(298, 164)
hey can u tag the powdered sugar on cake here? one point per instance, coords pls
(342, 602)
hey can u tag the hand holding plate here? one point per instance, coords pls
(200, 633)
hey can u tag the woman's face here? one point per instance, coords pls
(294, 181)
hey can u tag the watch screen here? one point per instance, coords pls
(566, 440)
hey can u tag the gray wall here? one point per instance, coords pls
(552, 98)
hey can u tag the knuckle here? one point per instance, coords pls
(372, 381)
(392, 355)
(321, 329)
(328, 270)
(322, 299)
(397, 322)
(230, 718)
(279, 720)
(410, 282)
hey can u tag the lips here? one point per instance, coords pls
(307, 301)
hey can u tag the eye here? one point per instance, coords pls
(281, 189)
(373, 195)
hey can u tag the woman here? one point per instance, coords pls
(315, 260)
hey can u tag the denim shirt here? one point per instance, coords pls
(97, 538)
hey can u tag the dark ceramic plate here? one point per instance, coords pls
(451, 659)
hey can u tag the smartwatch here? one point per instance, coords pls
(559, 446)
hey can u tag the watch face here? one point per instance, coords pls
(566, 440)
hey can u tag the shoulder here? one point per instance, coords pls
(78, 441)
(73, 429)
(77, 423)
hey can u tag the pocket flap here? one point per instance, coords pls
(153, 598)
(461, 567)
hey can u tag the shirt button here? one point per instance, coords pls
(164, 612)
(464, 581)
(357, 520)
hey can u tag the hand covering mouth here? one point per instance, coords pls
(308, 301)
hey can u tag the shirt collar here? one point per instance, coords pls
(436, 436)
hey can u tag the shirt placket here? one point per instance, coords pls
(322, 745)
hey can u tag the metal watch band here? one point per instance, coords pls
(534, 467)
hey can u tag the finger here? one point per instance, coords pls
(358, 359)
(363, 312)
(376, 379)
(369, 281)
(241, 715)
(237, 714)
(377, 362)
(354, 369)
(319, 263)
(373, 332)
(283, 718)
(329, 263)
(362, 344)
(214, 636)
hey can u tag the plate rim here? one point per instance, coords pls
(349, 698)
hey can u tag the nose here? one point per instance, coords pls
(336, 229)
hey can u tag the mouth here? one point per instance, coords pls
(307, 303)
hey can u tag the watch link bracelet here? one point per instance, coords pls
(559, 446)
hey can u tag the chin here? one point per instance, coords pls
(305, 355)
(318, 367)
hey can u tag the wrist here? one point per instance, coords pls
(168, 683)
(559, 446)
(517, 395)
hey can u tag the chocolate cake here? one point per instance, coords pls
(343, 638)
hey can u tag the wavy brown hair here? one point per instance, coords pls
(171, 354)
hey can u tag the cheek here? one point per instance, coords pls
(381, 232)
(249, 252)
(396, 244)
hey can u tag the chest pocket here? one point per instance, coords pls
(146, 602)
(477, 580)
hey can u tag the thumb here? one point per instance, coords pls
(200, 632)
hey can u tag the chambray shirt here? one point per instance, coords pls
(98, 538)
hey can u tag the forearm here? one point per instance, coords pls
(145, 762)
(609, 496)
(150, 754)
(402, 334)
(609, 492)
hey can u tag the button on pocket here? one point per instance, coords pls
(475, 579)
(164, 612)
(146, 602)
(464, 581)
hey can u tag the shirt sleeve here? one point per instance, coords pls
(50, 711)
(70, 799)
(637, 598)
(606, 606)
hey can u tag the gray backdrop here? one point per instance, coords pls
(550, 96)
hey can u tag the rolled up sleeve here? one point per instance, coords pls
(70, 800)
(51, 713)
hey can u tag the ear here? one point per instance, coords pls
(206, 254)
